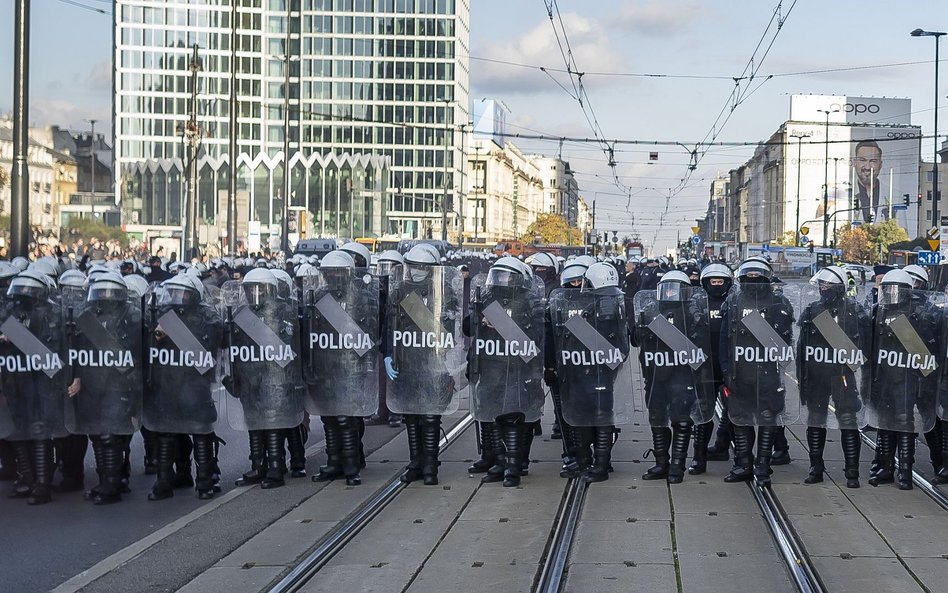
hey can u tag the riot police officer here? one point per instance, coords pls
(424, 354)
(716, 279)
(505, 365)
(835, 335)
(341, 373)
(672, 331)
(756, 350)
(105, 397)
(262, 347)
(907, 333)
(183, 344)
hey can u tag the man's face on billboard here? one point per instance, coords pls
(868, 162)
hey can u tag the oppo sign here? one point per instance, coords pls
(855, 107)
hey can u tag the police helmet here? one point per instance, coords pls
(601, 275)
(919, 274)
(259, 285)
(108, 287)
(359, 252)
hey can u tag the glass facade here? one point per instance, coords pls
(377, 91)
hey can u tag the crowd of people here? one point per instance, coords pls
(95, 351)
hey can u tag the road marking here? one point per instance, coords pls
(128, 553)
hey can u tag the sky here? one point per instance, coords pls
(697, 47)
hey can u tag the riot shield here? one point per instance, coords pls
(674, 341)
(32, 367)
(505, 361)
(261, 360)
(907, 363)
(427, 347)
(342, 334)
(590, 334)
(759, 361)
(182, 345)
(104, 348)
(832, 358)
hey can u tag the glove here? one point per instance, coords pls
(549, 377)
(389, 369)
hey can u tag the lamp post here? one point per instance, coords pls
(937, 35)
(826, 153)
(444, 183)
(836, 160)
(92, 155)
(799, 137)
(287, 59)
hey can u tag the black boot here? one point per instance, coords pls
(296, 444)
(603, 438)
(942, 476)
(852, 444)
(24, 469)
(164, 466)
(43, 468)
(7, 461)
(71, 458)
(906, 442)
(781, 453)
(430, 438)
(204, 465)
(351, 447)
(933, 440)
(743, 458)
(699, 464)
(765, 451)
(97, 451)
(485, 443)
(415, 451)
(333, 467)
(109, 490)
(360, 422)
(495, 435)
(258, 460)
(815, 442)
(572, 466)
(526, 444)
(276, 459)
(876, 464)
(150, 441)
(513, 443)
(681, 438)
(719, 451)
(661, 443)
(182, 462)
(885, 448)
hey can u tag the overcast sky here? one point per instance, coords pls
(823, 47)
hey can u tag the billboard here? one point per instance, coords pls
(857, 168)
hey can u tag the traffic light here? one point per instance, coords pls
(872, 217)
(906, 199)
(920, 199)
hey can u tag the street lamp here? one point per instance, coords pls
(285, 222)
(799, 136)
(826, 153)
(444, 181)
(92, 154)
(937, 35)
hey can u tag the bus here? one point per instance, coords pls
(378, 245)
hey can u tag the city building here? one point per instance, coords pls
(560, 189)
(369, 98)
(824, 162)
(924, 197)
(92, 196)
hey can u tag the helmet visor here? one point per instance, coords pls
(501, 277)
(107, 292)
(257, 294)
(893, 294)
(671, 291)
(177, 296)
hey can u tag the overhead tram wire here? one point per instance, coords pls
(87, 7)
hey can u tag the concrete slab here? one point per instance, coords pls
(859, 575)
(281, 544)
(810, 499)
(620, 578)
(605, 502)
(361, 577)
(933, 572)
(642, 542)
(840, 534)
(733, 534)
(233, 579)
(713, 497)
(889, 500)
(464, 576)
(492, 543)
(714, 574)
(917, 537)
(531, 501)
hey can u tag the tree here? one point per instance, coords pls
(884, 234)
(552, 229)
(4, 178)
(855, 244)
(89, 229)
(788, 239)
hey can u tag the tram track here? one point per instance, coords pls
(336, 540)
(552, 572)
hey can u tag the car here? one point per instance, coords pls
(857, 269)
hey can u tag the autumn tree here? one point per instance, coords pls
(883, 234)
(788, 239)
(552, 229)
(855, 244)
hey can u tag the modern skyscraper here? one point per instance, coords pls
(376, 97)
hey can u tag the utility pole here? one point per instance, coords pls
(285, 224)
(232, 126)
(444, 196)
(594, 226)
(20, 175)
(92, 160)
(799, 138)
(192, 138)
